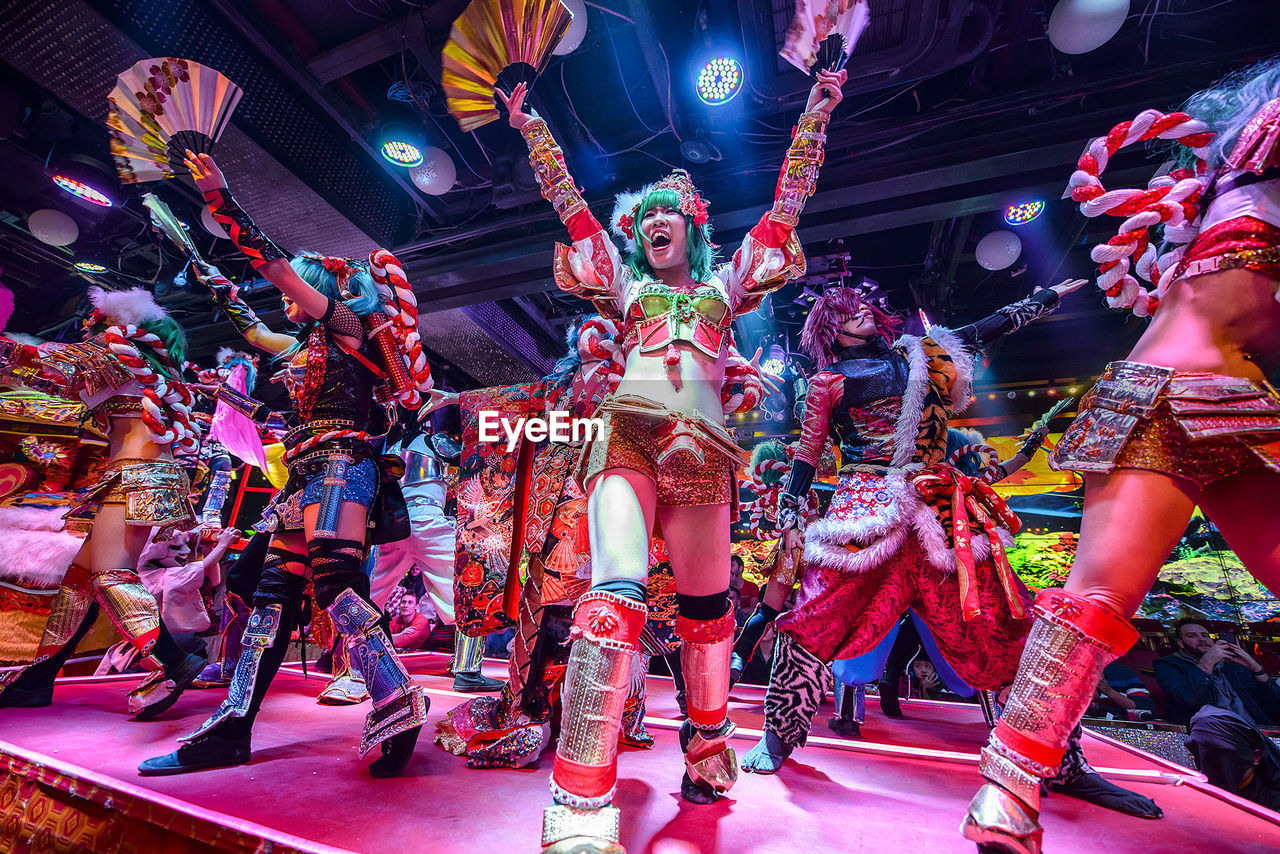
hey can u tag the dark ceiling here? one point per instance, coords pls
(954, 110)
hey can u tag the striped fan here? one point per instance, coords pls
(498, 42)
(824, 32)
(161, 107)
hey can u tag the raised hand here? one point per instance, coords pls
(437, 399)
(1067, 286)
(826, 92)
(206, 173)
(515, 105)
(771, 383)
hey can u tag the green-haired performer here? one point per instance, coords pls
(664, 454)
(126, 373)
(1188, 419)
(336, 501)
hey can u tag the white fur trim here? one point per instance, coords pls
(132, 307)
(224, 353)
(963, 360)
(879, 535)
(623, 205)
(37, 550)
(908, 427)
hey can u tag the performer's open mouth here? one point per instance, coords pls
(660, 241)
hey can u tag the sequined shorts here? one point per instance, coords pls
(692, 459)
(1195, 426)
(286, 513)
(154, 493)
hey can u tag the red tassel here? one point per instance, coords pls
(672, 357)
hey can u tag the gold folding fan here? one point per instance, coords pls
(511, 38)
(162, 106)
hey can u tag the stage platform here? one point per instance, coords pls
(70, 784)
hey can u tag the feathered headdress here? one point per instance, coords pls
(133, 307)
(626, 206)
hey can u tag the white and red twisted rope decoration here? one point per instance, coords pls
(601, 353)
(317, 440)
(742, 390)
(982, 450)
(401, 307)
(166, 404)
(1171, 199)
(763, 508)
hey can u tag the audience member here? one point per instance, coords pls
(1122, 694)
(409, 628)
(1223, 695)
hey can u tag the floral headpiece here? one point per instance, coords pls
(627, 205)
(342, 269)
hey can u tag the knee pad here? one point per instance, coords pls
(702, 608)
(335, 566)
(279, 586)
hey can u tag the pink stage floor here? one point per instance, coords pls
(903, 787)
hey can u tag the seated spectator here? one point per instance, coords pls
(1121, 694)
(1223, 695)
(409, 628)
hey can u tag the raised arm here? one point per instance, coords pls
(596, 267)
(238, 312)
(770, 255)
(1016, 315)
(267, 258)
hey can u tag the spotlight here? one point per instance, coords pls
(82, 190)
(401, 145)
(1023, 213)
(775, 364)
(90, 267)
(1053, 392)
(719, 80)
(991, 396)
(84, 178)
(1031, 393)
(1072, 390)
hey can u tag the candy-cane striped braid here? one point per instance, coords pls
(742, 390)
(313, 442)
(401, 306)
(166, 403)
(982, 450)
(761, 509)
(602, 361)
(1172, 200)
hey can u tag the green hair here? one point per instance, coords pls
(1228, 106)
(172, 338)
(771, 449)
(702, 254)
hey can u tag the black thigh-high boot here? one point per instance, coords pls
(34, 687)
(225, 738)
(904, 648)
(399, 706)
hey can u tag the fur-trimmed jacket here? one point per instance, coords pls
(887, 409)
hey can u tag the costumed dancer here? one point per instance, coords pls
(339, 493)
(664, 455)
(897, 533)
(430, 549)
(514, 729)
(1187, 419)
(126, 373)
